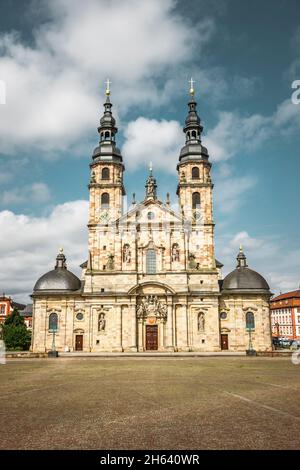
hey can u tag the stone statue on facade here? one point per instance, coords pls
(150, 188)
(192, 262)
(182, 177)
(201, 321)
(126, 254)
(175, 252)
(93, 178)
(101, 322)
(119, 177)
(110, 265)
(151, 185)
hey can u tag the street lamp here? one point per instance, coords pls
(53, 352)
(250, 351)
(250, 327)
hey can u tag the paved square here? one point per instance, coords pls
(146, 403)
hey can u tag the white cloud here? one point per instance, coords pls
(229, 191)
(235, 134)
(33, 193)
(287, 117)
(28, 245)
(151, 140)
(54, 87)
(269, 256)
(160, 141)
(243, 238)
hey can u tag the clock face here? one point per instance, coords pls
(104, 216)
(197, 215)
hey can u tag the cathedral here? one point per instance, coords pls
(151, 281)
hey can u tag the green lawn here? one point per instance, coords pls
(141, 403)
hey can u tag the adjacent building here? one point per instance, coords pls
(151, 281)
(7, 305)
(285, 315)
(26, 313)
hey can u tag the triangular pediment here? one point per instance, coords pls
(150, 210)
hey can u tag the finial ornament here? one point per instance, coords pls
(61, 250)
(108, 82)
(192, 90)
(241, 258)
(150, 167)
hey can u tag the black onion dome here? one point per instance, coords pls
(107, 120)
(193, 150)
(107, 149)
(244, 279)
(59, 279)
(192, 117)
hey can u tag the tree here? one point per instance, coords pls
(15, 333)
(14, 319)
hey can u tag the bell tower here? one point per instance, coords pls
(106, 183)
(195, 187)
(106, 186)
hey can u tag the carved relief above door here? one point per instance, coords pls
(151, 306)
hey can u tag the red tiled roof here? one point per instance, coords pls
(287, 295)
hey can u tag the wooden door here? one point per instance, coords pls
(151, 337)
(224, 342)
(78, 342)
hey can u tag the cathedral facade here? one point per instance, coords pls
(151, 281)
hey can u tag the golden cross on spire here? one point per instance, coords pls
(108, 82)
(192, 90)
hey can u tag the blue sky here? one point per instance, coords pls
(54, 59)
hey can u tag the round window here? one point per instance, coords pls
(79, 316)
(223, 315)
(150, 215)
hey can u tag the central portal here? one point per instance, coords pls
(151, 337)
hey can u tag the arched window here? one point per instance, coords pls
(151, 262)
(195, 173)
(196, 200)
(106, 135)
(104, 200)
(105, 174)
(250, 324)
(194, 134)
(53, 322)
